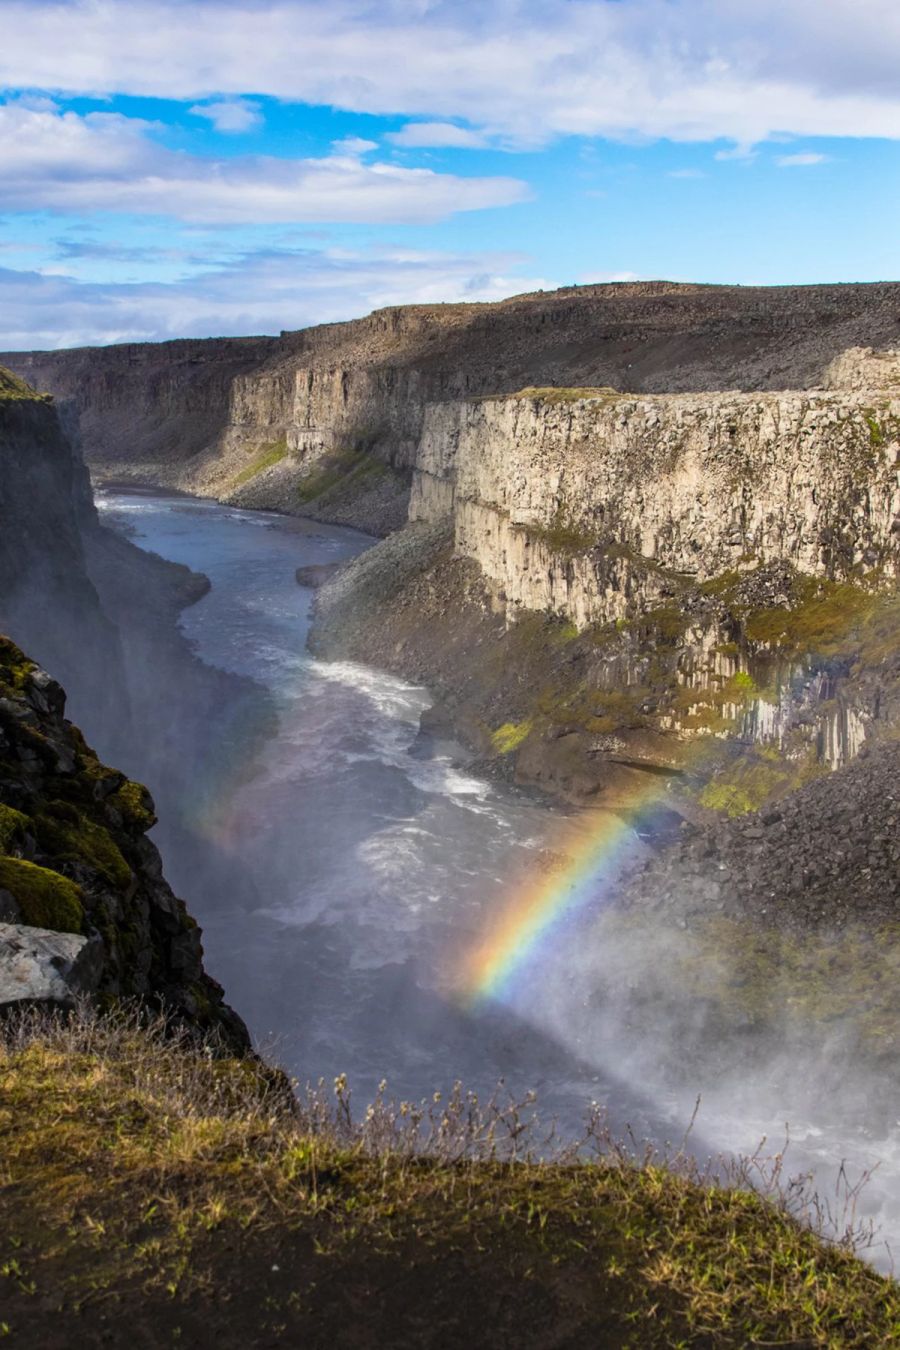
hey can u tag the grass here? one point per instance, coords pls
(552, 394)
(45, 899)
(565, 534)
(149, 1185)
(267, 457)
(759, 775)
(14, 389)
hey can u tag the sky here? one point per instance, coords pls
(172, 169)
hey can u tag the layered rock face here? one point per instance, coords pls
(156, 402)
(707, 566)
(254, 418)
(582, 505)
(84, 906)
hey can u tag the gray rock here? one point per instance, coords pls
(37, 965)
(316, 574)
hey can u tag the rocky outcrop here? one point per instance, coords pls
(85, 906)
(825, 858)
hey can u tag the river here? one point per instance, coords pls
(375, 863)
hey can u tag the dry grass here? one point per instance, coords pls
(143, 1174)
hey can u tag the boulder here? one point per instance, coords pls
(38, 965)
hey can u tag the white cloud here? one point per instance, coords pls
(106, 162)
(261, 293)
(743, 151)
(693, 71)
(437, 135)
(354, 146)
(800, 161)
(230, 115)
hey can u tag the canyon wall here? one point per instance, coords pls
(650, 571)
(284, 422)
(101, 615)
(595, 507)
(47, 596)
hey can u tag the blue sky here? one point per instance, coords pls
(241, 166)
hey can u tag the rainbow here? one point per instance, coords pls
(537, 912)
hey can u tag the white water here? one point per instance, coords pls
(373, 868)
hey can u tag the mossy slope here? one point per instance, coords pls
(15, 389)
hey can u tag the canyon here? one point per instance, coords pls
(640, 542)
(662, 534)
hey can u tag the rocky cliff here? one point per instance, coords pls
(328, 420)
(568, 499)
(717, 567)
(84, 907)
(90, 605)
(47, 597)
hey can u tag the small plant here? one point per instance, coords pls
(510, 736)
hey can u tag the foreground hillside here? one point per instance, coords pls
(154, 1196)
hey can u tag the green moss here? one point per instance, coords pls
(69, 836)
(761, 775)
(13, 825)
(338, 469)
(510, 736)
(267, 456)
(599, 711)
(668, 622)
(134, 804)
(876, 432)
(15, 668)
(745, 682)
(727, 798)
(826, 616)
(46, 899)
(552, 394)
